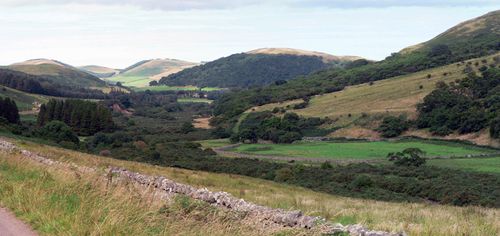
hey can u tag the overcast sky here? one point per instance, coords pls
(117, 33)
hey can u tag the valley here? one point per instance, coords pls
(260, 141)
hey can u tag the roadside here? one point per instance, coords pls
(11, 226)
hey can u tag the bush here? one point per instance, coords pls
(58, 131)
(393, 126)
(408, 157)
(283, 175)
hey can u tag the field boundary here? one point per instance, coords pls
(163, 188)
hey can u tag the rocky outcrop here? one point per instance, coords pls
(166, 188)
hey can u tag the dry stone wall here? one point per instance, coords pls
(167, 188)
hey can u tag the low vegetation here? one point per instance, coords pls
(413, 218)
(56, 202)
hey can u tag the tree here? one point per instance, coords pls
(393, 126)
(408, 157)
(58, 132)
(153, 83)
(8, 110)
(187, 127)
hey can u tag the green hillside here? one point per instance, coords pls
(255, 68)
(447, 48)
(24, 101)
(58, 73)
(143, 72)
(398, 95)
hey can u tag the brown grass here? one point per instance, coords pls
(413, 218)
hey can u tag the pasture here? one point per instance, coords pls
(360, 149)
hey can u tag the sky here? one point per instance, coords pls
(118, 33)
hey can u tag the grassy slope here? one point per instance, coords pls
(415, 219)
(23, 100)
(64, 75)
(62, 203)
(395, 95)
(358, 150)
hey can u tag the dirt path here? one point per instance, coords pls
(10, 226)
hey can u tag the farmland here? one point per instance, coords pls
(174, 88)
(490, 165)
(359, 149)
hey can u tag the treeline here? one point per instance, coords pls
(266, 126)
(246, 70)
(84, 117)
(8, 110)
(469, 105)
(39, 85)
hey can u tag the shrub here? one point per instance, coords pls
(58, 131)
(283, 174)
(393, 126)
(408, 157)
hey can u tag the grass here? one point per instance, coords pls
(62, 203)
(191, 100)
(23, 100)
(131, 81)
(214, 143)
(487, 165)
(414, 219)
(394, 95)
(174, 88)
(359, 149)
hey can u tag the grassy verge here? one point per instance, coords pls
(414, 218)
(61, 203)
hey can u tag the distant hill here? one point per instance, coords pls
(327, 58)
(475, 38)
(141, 73)
(99, 71)
(57, 72)
(256, 68)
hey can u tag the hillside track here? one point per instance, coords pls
(11, 226)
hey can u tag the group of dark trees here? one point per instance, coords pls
(40, 85)
(84, 117)
(267, 126)
(469, 105)
(8, 110)
(393, 126)
(246, 70)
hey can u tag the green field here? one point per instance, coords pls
(491, 165)
(174, 88)
(194, 100)
(359, 149)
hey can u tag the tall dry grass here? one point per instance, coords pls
(413, 218)
(56, 202)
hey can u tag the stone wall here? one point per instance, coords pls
(166, 188)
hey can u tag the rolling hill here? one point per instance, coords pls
(475, 38)
(141, 73)
(58, 73)
(100, 71)
(256, 68)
